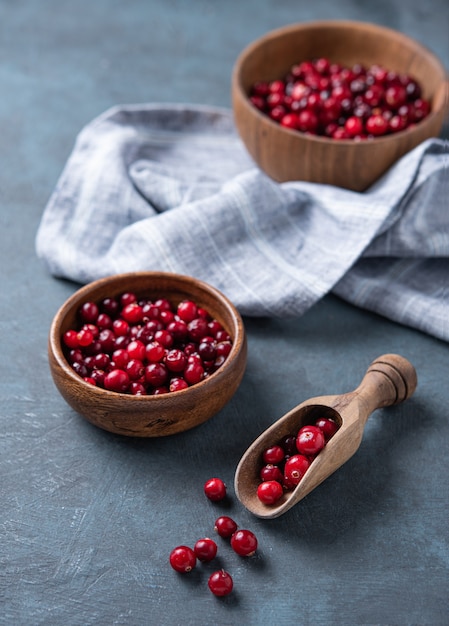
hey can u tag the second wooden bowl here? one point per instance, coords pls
(287, 155)
(149, 415)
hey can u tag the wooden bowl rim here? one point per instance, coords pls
(56, 350)
(339, 25)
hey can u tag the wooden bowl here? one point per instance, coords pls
(149, 416)
(287, 155)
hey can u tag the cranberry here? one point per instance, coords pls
(395, 96)
(89, 312)
(244, 542)
(136, 349)
(120, 358)
(290, 120)
(328, 426)
(110, 306)
(177, 384)
(289, 445)
(205, 549)
(178, 329)
(120, 327)
(127, 298)
(70, 338)
(310, 440)
(182, 559)
(135, 369)
(156, 374)
(376, 125)
(354, 126)
(137, 389)
(193, 373)
(220, 583)
(175, 360)
(225, 526)
(270, 491)
(85, 337)
(295, 468)
(164, 338)
(274, 455)
(116, 380)
(215, 489)
(154, 352)
(271, 472)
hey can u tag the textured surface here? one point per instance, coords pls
(88, 519)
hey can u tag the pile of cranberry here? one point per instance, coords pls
(183, 559)
(285, 464)
(327, 99)
(144, 347)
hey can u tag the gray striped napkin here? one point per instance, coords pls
(171, 188)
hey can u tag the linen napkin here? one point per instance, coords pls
(172, 188)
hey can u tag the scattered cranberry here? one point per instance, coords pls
(182, 559)
(215, 489)
(225, 526)
(323, 98)
(205, 549)
(244, 542)
(220, 583)
(145, 347)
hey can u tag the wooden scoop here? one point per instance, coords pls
(390, 379)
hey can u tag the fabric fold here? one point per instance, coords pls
(171, 188)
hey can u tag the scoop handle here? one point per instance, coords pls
(390, 379)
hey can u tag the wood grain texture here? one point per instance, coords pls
(150, 416)
(289, 155)
(390, 379)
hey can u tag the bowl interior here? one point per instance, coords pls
(287, 155)
(148, 416)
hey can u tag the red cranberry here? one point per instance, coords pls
(120, 327)
(89, 312)
(215, 489)
(117, 380)
(154, 352)
(136, 349)
(244, 542)
(175, 360)
(70, 338)
(193, 373)
(274, 455)
(328, 426)
(110, 306)
(354, 126)
(182, 559)
(225, 526)
(156, 374)
(271, 472)
(177, 384)
(220, 583)
(376, 125)
(310, 440)
(270, 491)
(85, 337)
(295, 468)
(205, 549)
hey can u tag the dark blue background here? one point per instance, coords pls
(87, 518)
